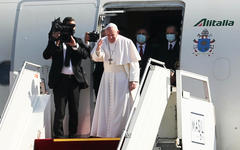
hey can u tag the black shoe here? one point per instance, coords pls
(91, 137)
(94, 136)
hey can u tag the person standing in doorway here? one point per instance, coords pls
(172, 48)
(168, 51)
(120, 77)
(98, 66)
(143, 47)
(66, 76)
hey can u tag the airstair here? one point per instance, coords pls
(26, 114)
(162, 118)
(170, 118)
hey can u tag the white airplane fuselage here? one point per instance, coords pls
(209, 42)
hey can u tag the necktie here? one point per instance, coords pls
(170, 46)
(67, 57)
(141, 50)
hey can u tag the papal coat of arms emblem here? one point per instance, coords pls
(204, 44)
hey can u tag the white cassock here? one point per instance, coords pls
(114, 100)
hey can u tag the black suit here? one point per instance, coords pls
(66, 88)
(56, 53)
(144, 59)
(170, 57)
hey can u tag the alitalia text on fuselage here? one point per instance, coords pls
(207, 23)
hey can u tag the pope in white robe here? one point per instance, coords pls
(120, 77)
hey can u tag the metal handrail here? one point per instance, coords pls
(136, 100)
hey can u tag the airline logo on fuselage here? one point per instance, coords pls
(204, 44)
(209, 23)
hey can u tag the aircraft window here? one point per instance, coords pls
(196, 88)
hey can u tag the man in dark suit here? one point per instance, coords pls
(168, 51)
(143, 48)
(171, 48)
(98, 66)
(66, 76)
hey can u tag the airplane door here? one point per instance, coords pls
(195, 117)
(33, 23)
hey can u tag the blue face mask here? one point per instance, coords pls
(141, 38)
(170, 37)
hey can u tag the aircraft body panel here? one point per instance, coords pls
(219, 65)
(33, 23)
(6, 29)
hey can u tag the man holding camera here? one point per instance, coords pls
(98, 68)
(66, 76)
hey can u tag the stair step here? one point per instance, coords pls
(77, 144)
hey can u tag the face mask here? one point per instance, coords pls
(141, 38)
(170, 37)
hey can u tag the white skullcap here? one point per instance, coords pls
(111, 25)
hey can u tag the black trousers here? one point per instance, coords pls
(67, 92)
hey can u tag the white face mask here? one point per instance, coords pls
(170, 37)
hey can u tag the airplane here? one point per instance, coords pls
(7, 28)
(208, 32)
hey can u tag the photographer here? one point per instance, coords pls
(66, 76)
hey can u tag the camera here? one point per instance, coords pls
(93, 36)
(66, 30)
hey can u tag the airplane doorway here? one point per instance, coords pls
(155, 20)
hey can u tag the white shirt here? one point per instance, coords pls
(67, 70)
(173, 44)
